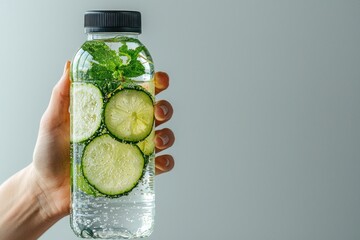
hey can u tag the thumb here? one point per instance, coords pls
(57, 111)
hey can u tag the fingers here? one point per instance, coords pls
(164, 139)
(163, 109)
(161, 81)
(164, 164)
(163, 112)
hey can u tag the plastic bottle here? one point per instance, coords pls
(112, 130)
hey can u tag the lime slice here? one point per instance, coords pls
(112, 167)
(85, 111)
(129, 115)
(83, 185)
(147, 146)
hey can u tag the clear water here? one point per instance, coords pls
(128, 216)
(92, 214)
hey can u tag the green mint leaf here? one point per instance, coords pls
(99, 72)
(133, 67)
(124, 48)
(105, 65)
(105, 60)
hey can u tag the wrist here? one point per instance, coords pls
(25, 212)
(45, 197)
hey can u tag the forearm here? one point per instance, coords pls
(24, 212)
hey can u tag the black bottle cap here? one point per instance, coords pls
(112, 21)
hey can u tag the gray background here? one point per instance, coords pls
(267, 109)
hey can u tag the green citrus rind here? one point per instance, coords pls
(129, 114)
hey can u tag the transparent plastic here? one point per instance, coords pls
(95, 214)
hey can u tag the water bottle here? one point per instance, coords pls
(112, 130)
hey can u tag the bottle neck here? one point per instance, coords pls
(107, 35)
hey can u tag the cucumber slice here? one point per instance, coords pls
(129, 115)
(85, 111)
(147, 146)
(83, 185)
(112, 167)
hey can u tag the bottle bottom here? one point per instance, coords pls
(106, 218)
(122, 233)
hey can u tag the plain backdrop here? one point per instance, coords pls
(267, 109)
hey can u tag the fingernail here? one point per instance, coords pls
(164, 139)
(164, 162)
(164, 109)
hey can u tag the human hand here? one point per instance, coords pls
(51, 160)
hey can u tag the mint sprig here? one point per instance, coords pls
(132, 67)
(109, 68)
